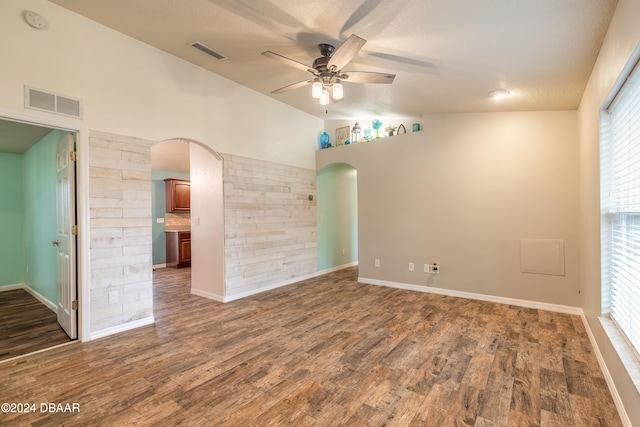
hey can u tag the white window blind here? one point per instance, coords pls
(620, 200)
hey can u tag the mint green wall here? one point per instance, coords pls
(39, 221)
(11, 201)
(159, 249)
(337, 192)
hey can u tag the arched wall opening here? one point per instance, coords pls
(184, 158)
(337, 210)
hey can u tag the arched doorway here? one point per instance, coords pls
(184, 158)
(337, 190)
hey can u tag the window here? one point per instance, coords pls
(620, 203)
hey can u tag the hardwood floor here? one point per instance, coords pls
(27, 325)
(323, 352)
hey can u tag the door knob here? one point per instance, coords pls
(56, 243)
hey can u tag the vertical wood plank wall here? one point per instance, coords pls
(270, 224)
(120, 242)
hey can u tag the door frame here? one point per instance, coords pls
(83, 274)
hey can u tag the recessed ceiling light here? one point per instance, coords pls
(499, 93)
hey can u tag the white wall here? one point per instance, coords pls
(130, 88)
(207, 223)
(622, 37)
(462, 193)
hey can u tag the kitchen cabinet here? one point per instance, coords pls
(178, 249)
(177, 194)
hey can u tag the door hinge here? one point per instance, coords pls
(73, 155)
(74, 230)
(74, 304)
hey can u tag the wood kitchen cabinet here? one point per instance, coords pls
(177, 194)
(178, 249)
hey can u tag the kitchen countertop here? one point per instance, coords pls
(177, 229)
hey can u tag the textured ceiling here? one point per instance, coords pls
(18, 137)
(447, 55)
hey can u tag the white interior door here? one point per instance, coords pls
(66, 239)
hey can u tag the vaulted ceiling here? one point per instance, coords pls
(447, 55)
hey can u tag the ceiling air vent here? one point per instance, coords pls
(41, 100)
(208, 50)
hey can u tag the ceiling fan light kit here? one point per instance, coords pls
(316, 89)
(338, 91)
(324, 98)
(327, 71)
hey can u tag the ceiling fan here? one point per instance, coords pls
(327, 70)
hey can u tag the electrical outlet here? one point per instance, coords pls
(113, 297)
(435, 268)
(412, 267)
(343, 251)
(377, 263)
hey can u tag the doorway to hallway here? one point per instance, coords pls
(36, 307)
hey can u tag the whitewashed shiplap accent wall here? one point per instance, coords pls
(120, 228)
(270, 224)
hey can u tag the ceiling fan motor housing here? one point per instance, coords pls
(320, 64)
(326, 49)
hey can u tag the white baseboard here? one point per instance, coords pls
(521, 303)
(37, 295)
(264, 289)
(340, 267)
(481, 297)
(607, 375)
(121, 328)
(285, 283)
(12, 287)
(207, 295)
(272, 286)
(157, 266)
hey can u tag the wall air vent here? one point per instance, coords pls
(208, 50)
(41, 100)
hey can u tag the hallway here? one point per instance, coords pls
(27, 325)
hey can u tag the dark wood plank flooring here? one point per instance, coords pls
(27, 325)
(323, 352)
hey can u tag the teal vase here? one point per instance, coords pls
(324, 140)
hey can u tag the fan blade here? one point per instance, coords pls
(289, 61)
(293, 86)
(362, 15)
(367, 77)
(345, 53)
